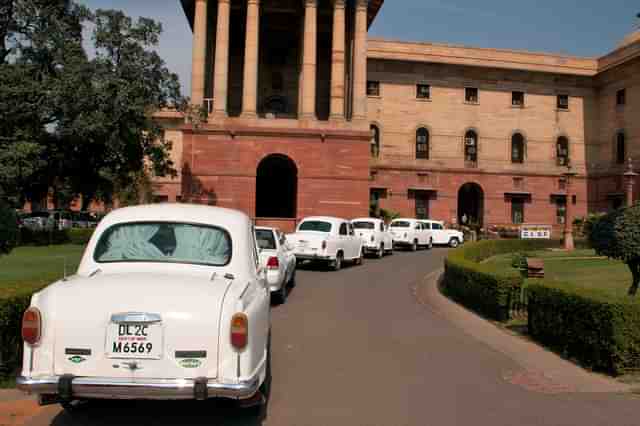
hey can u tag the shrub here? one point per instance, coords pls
(80, 236)
(519, 260)
(30, 237)
(597, 329)
(11, 309)
(477, 286)
(8, 228)
(617, 236)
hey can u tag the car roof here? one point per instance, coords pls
(366, 219)
(405, 219)
(184, 213)
(324, 218)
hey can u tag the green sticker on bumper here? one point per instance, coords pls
(77, 359)
(190, 363)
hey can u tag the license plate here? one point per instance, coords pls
(140, 341)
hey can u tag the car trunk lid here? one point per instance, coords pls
(177, 315)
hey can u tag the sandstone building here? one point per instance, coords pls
(306, 116)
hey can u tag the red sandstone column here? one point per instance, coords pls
(199, 52)
(360, 62)
(250, 93)
(309, 59)
(338, 61)
(221, 68)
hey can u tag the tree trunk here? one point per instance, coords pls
(635, 272)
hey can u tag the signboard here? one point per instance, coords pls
(535, 232)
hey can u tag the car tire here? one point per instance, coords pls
(430, 246)
(454, 243)
(292, 280)
(280, 296)
(414, 246)
(75, 407)
(380, 253)
(336, 265)
(360, 260)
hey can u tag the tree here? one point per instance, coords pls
(617, 236)
(8, 228)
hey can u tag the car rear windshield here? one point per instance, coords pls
(364, 225)
(315, 225)
(265, 238)
(164, 242)
(400, 224)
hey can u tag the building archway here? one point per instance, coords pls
(276, 187)
(471, 204)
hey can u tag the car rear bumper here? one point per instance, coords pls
(301, 256)
(68, 387)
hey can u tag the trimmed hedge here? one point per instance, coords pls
(8, 228)
(478, 286)
(79, 236)
(11, 310)
(601, 331)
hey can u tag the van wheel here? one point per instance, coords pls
(430, 246)
(337, 264)
(414, 246)
(380, 253)
(360, 260)
(453, 243)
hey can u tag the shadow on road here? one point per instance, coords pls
(172, 413)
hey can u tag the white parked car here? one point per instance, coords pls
(327, 239)
(443, 236)
(169, 302)
(410, 233)
(376, 238)
(276, 255)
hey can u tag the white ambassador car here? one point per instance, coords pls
(169, 302)
(276, 255)
(443, 236)
(376, 238)
(410, 233)
(326, 239)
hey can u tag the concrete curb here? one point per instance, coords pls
(543, 370)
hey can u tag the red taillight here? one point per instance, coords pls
(31, 326)
(273, 263)
(324, 245)
(239, 331)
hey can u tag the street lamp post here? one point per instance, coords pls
(629, 177)
(568, 222)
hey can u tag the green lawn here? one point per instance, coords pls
(32, 267)
(607, 275)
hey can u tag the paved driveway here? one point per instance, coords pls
(355, 348)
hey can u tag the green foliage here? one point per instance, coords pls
(80, 237)
(617, 236)
(74, 126)
(8, 228)
(599, 330)
(481, 287)
(11, 310)
(29, 237)
(519, 260)
(388, 215)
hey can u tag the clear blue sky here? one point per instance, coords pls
(575, 27)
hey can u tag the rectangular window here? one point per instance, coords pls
(373, 88)
(423, 91)
(517, 211)
(621, 97)
(517, 99)
(561, 210)
(471, 95)
(422, 205)
(563, 102)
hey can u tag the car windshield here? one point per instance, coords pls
(400, 224)
(364, 225)
(164, 243)
(315, 225)
(265, 238)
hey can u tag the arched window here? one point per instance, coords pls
(422, 144)
(621, 148)
(375, 141)
(471, 147)
(562, 151)
(517, 148)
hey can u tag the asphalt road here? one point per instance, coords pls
(356, 348)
